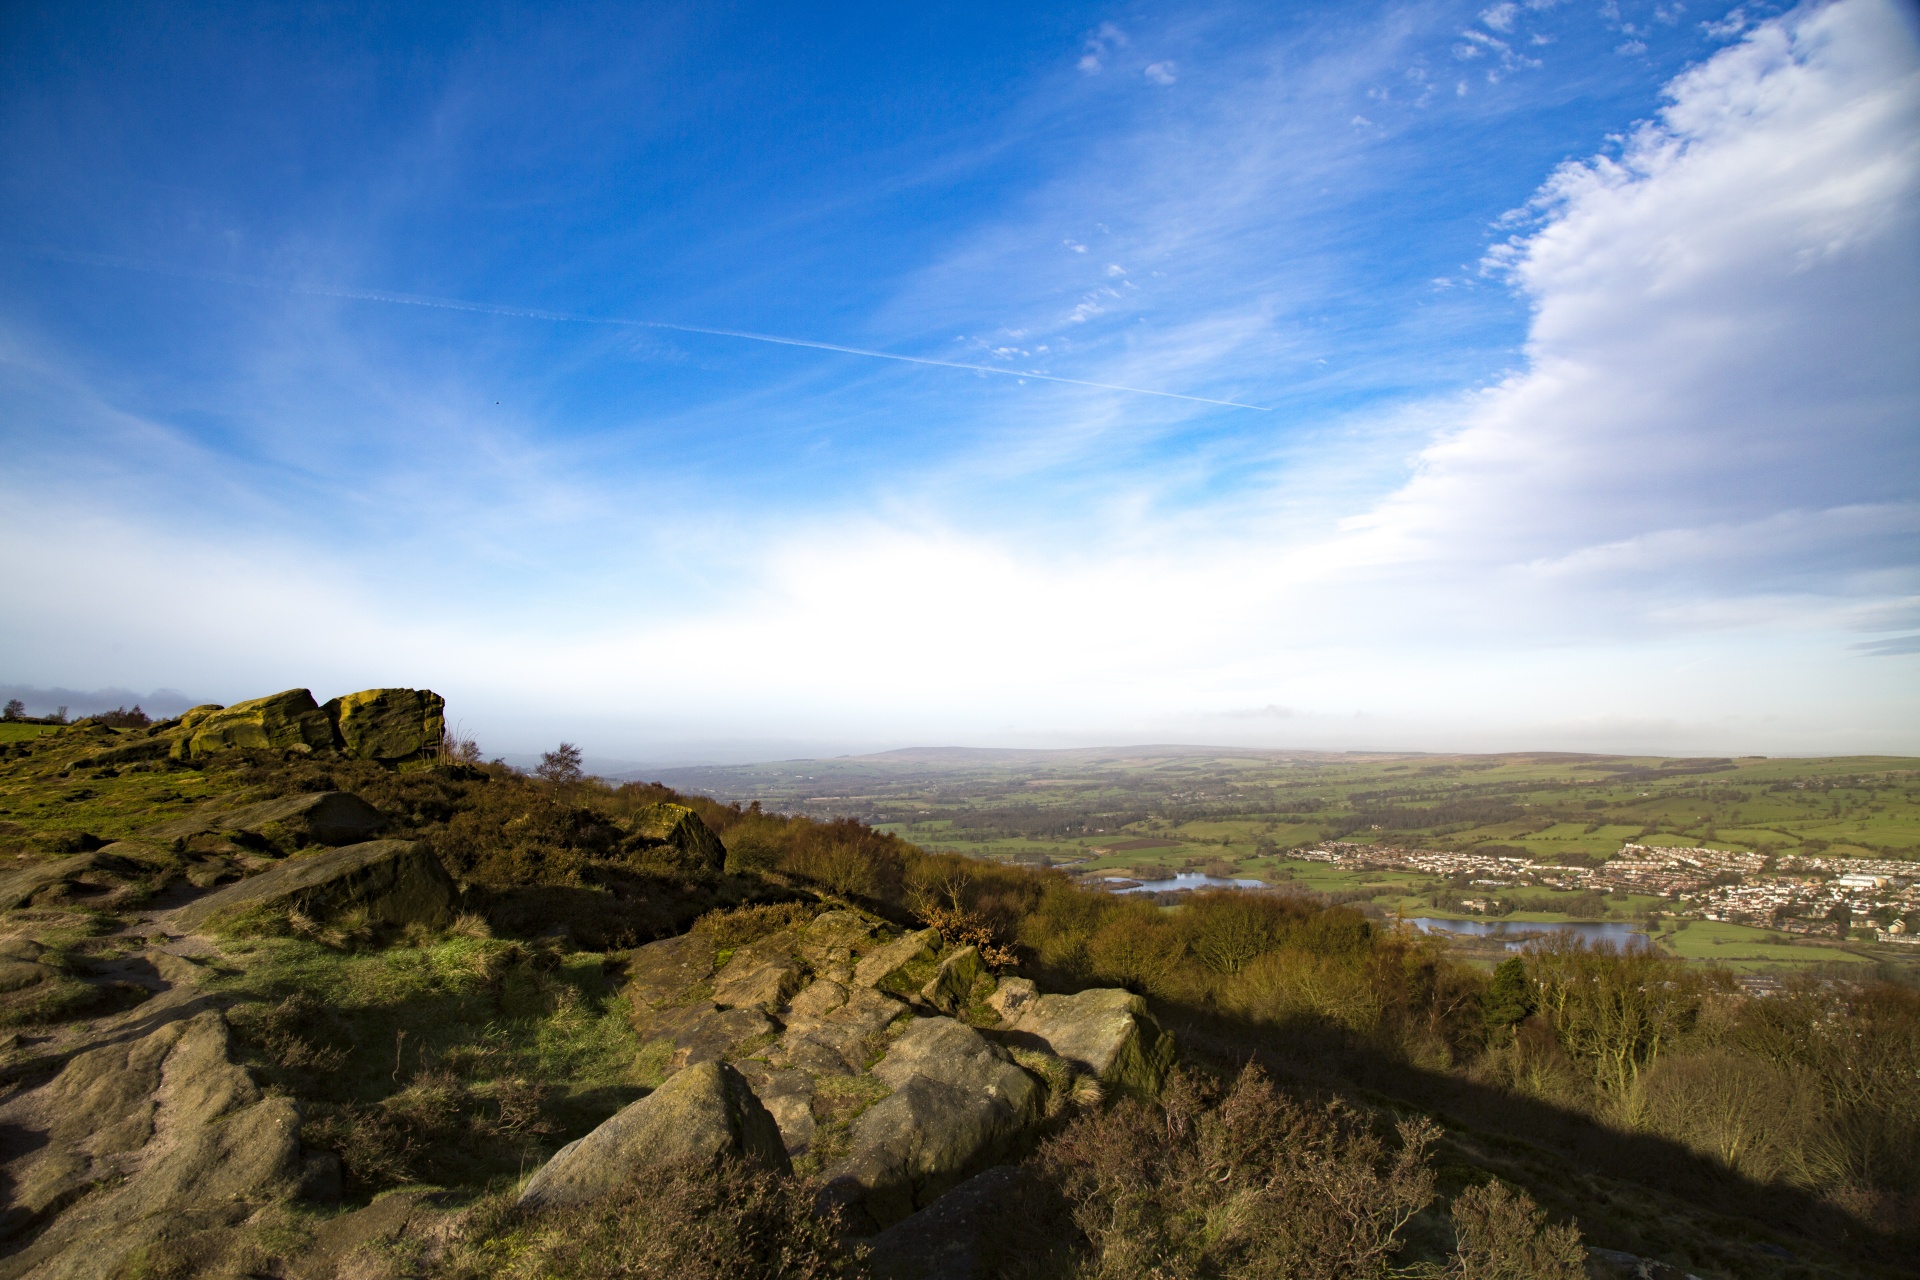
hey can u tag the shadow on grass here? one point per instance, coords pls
(1627, 1190)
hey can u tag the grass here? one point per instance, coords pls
(13, 731)
(1745, 948)
(475, 1018)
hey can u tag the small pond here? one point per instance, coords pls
(1520, 932)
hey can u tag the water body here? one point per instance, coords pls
(1192, 880)
(1521, 932)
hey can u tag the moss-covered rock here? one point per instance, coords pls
(390, 725)
(285, 720)
(393, 881)
(703, 1113)
(680, 829)
(318, 817)
(1107, 1033)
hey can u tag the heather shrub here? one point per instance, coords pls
(690, 1222)
(1501, 1235)
(1249, 1182)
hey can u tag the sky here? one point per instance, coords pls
(706, 383)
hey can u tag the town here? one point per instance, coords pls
(1797, 894)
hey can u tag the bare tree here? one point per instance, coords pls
(560, 765)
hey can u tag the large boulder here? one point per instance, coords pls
(703, 1113)
(957, 1102)
(680, 829)
(389, 725)
(1107, 1033)
(831, 1030)
(285, 720)
(393, 881)
(318, 817)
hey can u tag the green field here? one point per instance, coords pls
(1743, 947)
(14, 731)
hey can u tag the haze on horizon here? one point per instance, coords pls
(710, 384)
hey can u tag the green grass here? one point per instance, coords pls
(1745, 948)
(560, 1023)
(13, 731)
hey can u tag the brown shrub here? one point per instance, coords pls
(691, 1222)
(1502, 1236)
(1254, 1183)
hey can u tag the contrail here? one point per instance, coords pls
(535, 313)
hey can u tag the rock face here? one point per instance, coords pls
(393, 881)
(319, 817)
(290, 719)
(1107, 1033)
(139, 1139)
(680, 829)
(957, 1101)
(389, 725)
(703, 1113)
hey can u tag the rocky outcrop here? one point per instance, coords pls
(141, 1140)
(1107, 1033)
(391, 726)
(703, 1113)
(679, 830)
(393, 881)
(957, 1102)
(828, 1024)
(388, 725)
(318, 817)
(285, 720)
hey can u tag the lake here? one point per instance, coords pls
(1192, 880)
(1619, 933)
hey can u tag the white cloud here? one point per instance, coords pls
(1500, 16)
(1162, 72)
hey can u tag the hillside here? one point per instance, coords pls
(304, 989)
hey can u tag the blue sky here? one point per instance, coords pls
(343, 347)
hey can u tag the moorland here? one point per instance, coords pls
(309, 989)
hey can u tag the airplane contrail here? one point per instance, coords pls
(535, 313)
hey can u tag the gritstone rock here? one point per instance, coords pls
(957, 1102)
(99, 875)
(681, 829)
(291, 719)
(389, 725)
(1107, 1033)
(143, 1138)
(1011, 998)
(893, 966)
(663, 975)
(394, 881)
(703, 1113)
(951, 988)
(319, 817)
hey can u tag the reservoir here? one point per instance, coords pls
(1520, 932)
(1191, 880)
